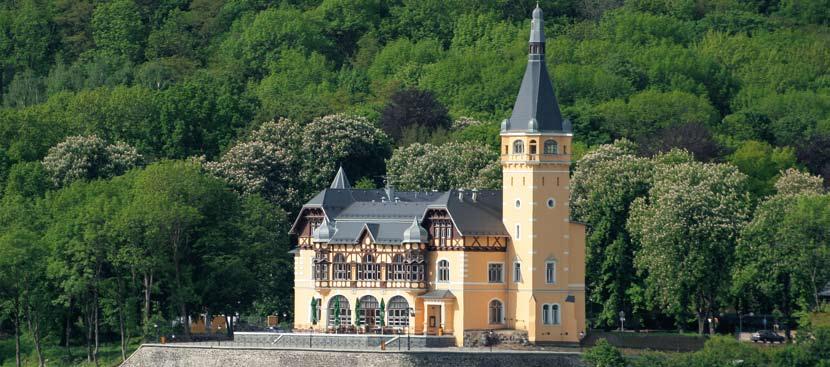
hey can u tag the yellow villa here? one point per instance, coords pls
(443, 263)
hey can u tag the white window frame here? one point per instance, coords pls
(438, 271)
(552, 274)
(490, 314)
(501, 272)
(555, 314)
(517, 272)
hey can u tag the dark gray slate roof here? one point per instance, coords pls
(438, 294)
(349, 211)
(536, 108)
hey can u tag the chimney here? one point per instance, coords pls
(460, 194)
(475, 195)
(397, 199)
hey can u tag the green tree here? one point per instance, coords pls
(88, 157)
(687, 228)
(761, 163)
(117, 29)
(603, 354)
(449, 166)
(605, 183)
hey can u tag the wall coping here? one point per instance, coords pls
(436, 350)
(257, 333)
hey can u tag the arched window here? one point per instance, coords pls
(369, 312)
(533, 147)
(546, 314)
(339, 310)
(443, 271)
(342, 269)
(518, 147)
(496, 312)
(398, 313)
(368, 270)
(551, 147)
(554, 314)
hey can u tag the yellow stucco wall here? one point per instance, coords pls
(539, 234)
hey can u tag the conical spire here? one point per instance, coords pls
(340, 180)
(536, 108)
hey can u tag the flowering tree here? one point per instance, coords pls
(449, 166)
(783, 257)
(687, 228)
(605, 183)
(88, 157)
(287, 162)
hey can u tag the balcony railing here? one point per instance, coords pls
(370, 276)
(536, 157)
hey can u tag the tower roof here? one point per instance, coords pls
(415, 233)
(340, 180)
(536, 108)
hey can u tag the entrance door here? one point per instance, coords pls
(433, 319)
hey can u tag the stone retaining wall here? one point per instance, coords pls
(186, 356)
(339, 341)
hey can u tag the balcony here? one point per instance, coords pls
(342, 275)
(536, 158)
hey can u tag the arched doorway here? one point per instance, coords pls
(344, 311)
(398, 313)
(369, 313)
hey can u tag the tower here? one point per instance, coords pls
(547, 251)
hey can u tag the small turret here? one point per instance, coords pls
(415, 233)
(324, 232)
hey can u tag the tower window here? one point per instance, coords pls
(443, 271)
(517, 272)
(495, 273)
(551, 203)
(551, 147)
(518, 203)
(533, 147)
(518, 231)
(550, 272)
(518, 147)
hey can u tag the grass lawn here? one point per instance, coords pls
(108, 354)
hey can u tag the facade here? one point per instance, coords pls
(449, 262)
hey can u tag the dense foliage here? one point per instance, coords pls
(154, 152)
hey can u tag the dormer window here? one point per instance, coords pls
(518, 147)
(551, 147)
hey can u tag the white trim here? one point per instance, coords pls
(548, 203)
(488, 272)
(438, 271)
(554, 271)
(501, 322)
(515, 267)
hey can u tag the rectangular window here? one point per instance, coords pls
(550, 272)
(517, 272)
(518, 231)
(496, 273)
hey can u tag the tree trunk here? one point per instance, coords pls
(17, 331)
(88, 316)
(68, 331)
(96, 323)
(32, 319)
(177, 270)
(121, 327)
(700, 322)
(148, 285)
